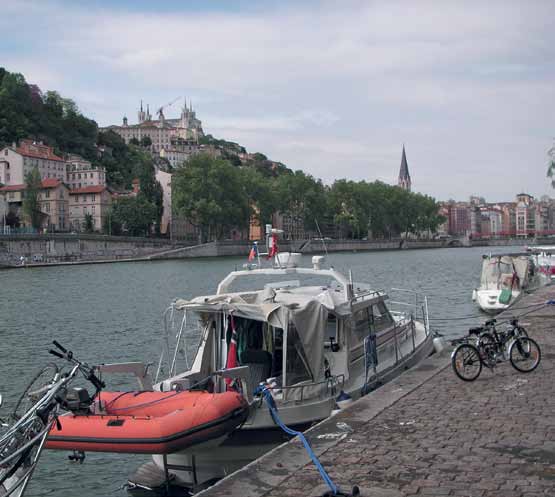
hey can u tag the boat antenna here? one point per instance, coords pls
(322, 238)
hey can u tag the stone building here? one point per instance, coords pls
(93, 200)
(53, 200)
(162, 131)
(81, 173)
(17, 161)
(165, 180)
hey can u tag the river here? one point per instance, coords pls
(112, 312)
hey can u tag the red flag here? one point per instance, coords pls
(231, 353)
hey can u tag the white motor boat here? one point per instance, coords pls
(544, 258)
(312, 335)
(503, 280)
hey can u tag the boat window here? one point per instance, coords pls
(362, 323)
(382, 317)
(297, 368)
(331, 328)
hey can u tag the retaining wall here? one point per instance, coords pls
(70, 248)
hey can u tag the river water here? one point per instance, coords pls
(112, 313)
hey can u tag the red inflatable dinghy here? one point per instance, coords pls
(150, 422)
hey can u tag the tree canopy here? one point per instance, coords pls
(215, 196)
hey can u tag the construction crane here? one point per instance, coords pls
(159, 111)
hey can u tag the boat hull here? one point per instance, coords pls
(158, 423)
(488, 300)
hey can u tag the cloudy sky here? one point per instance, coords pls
(333, 88)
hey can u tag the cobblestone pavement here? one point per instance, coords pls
(494, 437)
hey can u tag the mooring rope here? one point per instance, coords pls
(266, 393)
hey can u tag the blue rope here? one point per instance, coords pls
(265, 391)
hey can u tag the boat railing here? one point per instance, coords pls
(415, 309)
(326, 388)
(175, 346)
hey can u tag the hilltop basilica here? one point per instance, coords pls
(175, 139)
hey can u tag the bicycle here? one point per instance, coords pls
(485, 346)
(513, 344)
(23, 436)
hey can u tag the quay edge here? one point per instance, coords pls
(269, 471)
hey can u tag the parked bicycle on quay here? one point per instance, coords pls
(487, 346)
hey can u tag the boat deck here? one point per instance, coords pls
(429, 433)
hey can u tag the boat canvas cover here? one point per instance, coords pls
(499, 270)
(309, 314)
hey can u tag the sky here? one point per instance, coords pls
(334, 88)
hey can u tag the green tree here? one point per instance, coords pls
(110, 225)
(146, 141)
(88, 223)
(261, 195)
(302, 197)
(31, 203)
(134, 214)
(209, 193)
(134, 141)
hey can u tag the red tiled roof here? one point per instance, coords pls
(88, 189)
(12, 188)
(28, 148)
(50, 182)
(47, 183)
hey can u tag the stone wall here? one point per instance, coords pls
(72, 248)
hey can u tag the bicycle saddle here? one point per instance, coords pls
(491, 322)
(475, 331)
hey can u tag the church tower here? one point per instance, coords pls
(404, 176)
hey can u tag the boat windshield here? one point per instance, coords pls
(260, 281)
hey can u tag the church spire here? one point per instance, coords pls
(404, 176)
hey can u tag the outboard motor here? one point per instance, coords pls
(77, 400)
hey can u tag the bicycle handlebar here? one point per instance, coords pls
(56, 353)
(87, 371)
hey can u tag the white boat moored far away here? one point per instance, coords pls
(503, 280)
(311, 334)
(544, 258)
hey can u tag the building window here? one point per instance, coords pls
(48, 207)
(47, 194)
(93, 197)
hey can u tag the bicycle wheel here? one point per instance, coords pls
(525, 354)
(487, 347)
(466, 362)
(36, 388)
